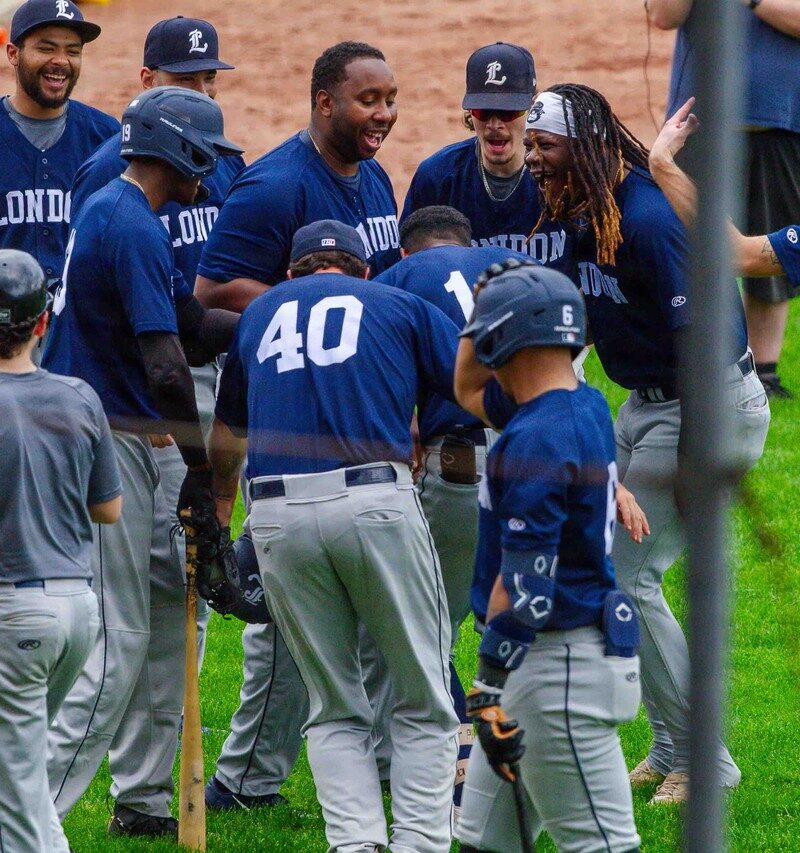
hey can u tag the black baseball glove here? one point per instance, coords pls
(218, 577)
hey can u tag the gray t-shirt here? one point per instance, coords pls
(56, 458)
(41, 132)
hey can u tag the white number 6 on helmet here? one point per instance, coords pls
(566, 315)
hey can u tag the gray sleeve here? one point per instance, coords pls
(104, 481)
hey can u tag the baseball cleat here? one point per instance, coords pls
(674, 789)
(219, 797)
(644, 774)
(129, 822)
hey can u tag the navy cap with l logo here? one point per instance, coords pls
(183, 44)
(327, 235)
(45, 13)
(500, 76)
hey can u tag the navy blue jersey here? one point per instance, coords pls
(324, 372)
(117, 284)
(786, 247)
(444, 276)
(636, 305)
(285, 189)
(452, 176)
(35, 185)
(551, 489)
(188, 227)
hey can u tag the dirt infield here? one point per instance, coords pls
(273, 45)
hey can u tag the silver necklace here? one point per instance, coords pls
(486, 182)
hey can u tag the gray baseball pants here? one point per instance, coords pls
(569, 698)
(117, 705)
(332, 556)
(46, 635)
(647, 443)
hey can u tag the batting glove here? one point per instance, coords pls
(500, 736)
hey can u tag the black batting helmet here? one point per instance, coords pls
(525, 305)
(23, 296)
(181, 127)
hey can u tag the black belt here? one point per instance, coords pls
(352, 477)
(477, 435)
(666, 393)
(40, 583)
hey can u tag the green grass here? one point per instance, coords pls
(763, 814)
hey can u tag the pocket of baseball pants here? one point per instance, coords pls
(626, 690)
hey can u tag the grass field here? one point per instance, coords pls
(763, 814)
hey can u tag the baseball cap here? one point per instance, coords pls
(500, 76)
(327, 235)
(42, 13)
(183, 44)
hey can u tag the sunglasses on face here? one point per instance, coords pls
(504, 115)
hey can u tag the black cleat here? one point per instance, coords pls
(774, 387)
(219, 797)
(129, 822)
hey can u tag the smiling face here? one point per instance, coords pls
(549, 158)
(47, 64)
(501, 142)
(361, 110)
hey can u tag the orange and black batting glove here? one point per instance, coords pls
(500, 736)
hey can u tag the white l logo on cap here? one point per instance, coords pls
(492, 70)
(194, 38)
(62, 6)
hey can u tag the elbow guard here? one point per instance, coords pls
(527, 578)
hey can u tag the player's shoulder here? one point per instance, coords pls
(285, 162)
(90, 116)
(644, 205)
(70, 389)
(445, 159)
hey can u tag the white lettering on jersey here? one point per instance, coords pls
(544, 247)
(457, 285)
(281, 337)
(192, 225)
(594, 282)
(29, 206)
(384, 233)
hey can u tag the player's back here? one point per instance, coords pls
(553, 475)
(332, 367)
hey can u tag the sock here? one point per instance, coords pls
(766, 367)
(466, 735)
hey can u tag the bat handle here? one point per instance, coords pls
(523, 815)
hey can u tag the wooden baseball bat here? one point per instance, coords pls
(192, 802)
(523, 816)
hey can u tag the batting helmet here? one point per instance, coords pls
(252, 608)
(23, 296)
(525, 306)
(181, 127)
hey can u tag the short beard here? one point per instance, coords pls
(29, 81)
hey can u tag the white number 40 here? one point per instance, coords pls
(281, 337)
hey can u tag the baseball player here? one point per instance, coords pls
(484, 177)
(184, 52)
(440, 266)
(335, 365)
(120, 309)
(559, 649)
(631, 263)
(45, 134)
(326, 170)
(764, 255)
(57, 451)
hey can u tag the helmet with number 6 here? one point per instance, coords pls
(525, 306)
(182, 127)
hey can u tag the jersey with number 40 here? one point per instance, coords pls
(444, 276)
(324, 372)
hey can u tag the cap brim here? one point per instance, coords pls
(85, 29)
(191, 65)
(498, 101)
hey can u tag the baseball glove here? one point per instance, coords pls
(217, 570)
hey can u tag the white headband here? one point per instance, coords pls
(547, 113)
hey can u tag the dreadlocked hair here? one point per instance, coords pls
(601, 148)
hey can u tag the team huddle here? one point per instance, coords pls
(399, 401)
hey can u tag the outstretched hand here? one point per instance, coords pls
(676, 130)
